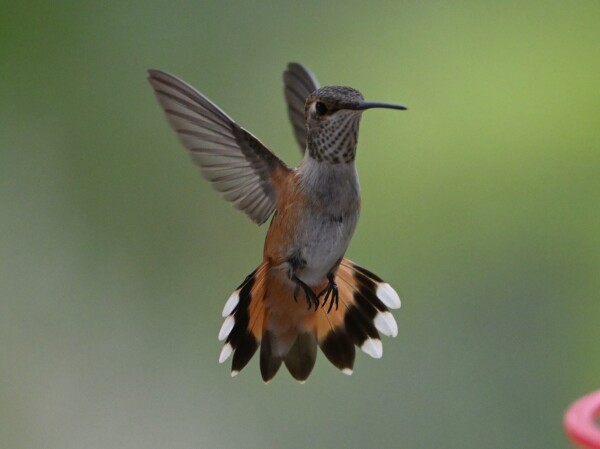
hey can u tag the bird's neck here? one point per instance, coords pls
(331, 186)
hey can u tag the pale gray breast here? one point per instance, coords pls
(325, 230)
(326, 242)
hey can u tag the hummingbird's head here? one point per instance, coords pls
(332, 115)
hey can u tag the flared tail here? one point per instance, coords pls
(262, 312)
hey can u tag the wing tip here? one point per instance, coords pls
(155, 74)
(295, 65)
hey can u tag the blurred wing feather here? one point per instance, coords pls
(299, 83)
(233, 160)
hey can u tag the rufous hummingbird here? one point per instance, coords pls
(304, 293)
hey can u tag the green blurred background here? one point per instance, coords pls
(480, 205)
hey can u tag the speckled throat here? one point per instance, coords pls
(335, 140)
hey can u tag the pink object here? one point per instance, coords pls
(580, 421)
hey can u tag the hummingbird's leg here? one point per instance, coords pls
(308, 292)
(331, 289)
(296, 263)
(335, 295)
(334, 299)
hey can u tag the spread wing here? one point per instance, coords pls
(236, 163)
(299, 83)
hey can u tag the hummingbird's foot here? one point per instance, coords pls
(330, 290)
(311, 297)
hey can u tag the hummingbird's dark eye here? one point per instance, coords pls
(321, 108)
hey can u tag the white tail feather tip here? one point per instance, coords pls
(231, 303)
(225, 353)
(386, 324)
(226, 328)
(388, 296)
(347, 371)
(373, 347)
(234, 373)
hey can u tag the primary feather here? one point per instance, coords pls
(233, 160)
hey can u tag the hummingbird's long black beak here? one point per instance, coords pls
(374, 104)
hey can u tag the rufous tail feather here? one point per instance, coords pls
(262, 312)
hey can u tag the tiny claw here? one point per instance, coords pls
(316, 300)
(327, 294)
(331, 290)
(308, 293)
(334, 298)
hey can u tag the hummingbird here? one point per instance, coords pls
(304, 293)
